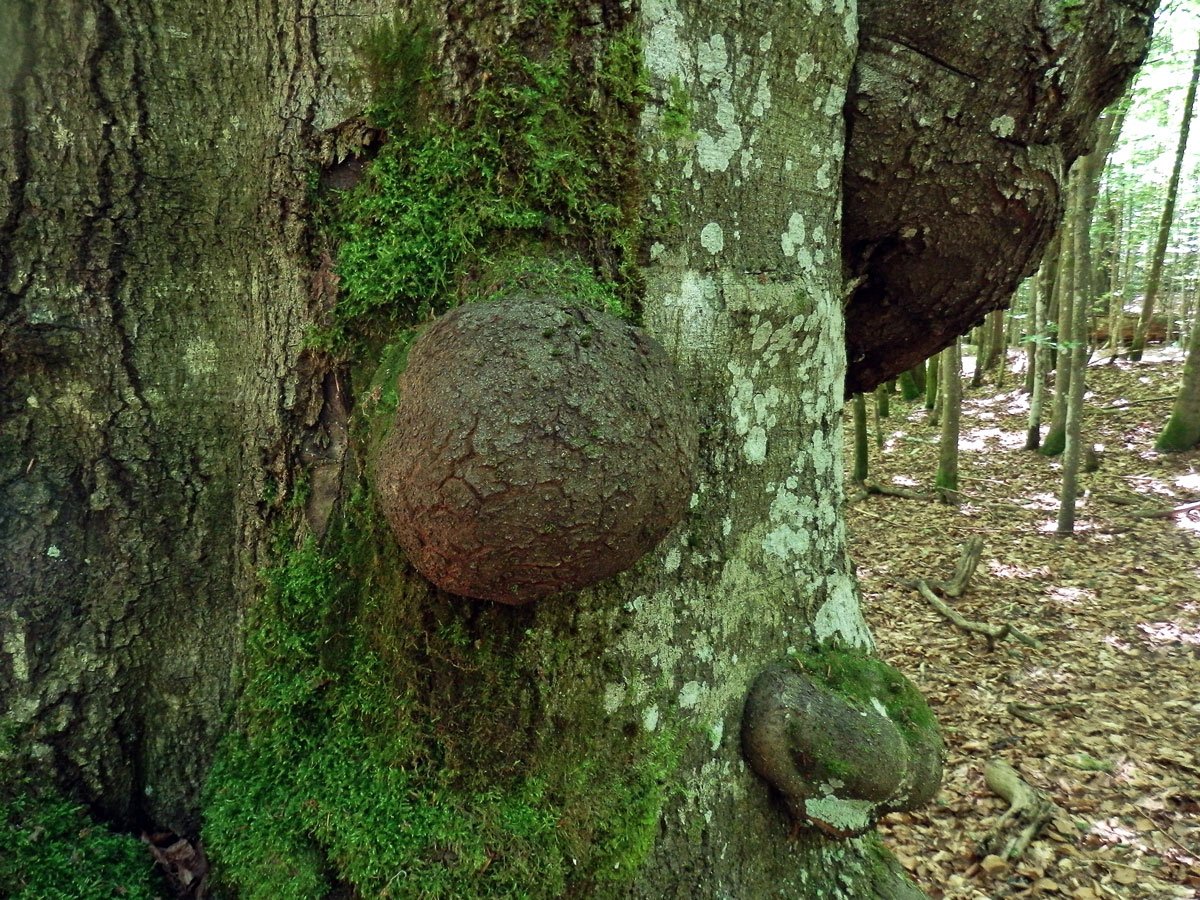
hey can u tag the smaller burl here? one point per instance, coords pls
(844, 738)
(539, 447)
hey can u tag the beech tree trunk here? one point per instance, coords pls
(157, 282)
(1182, 431)
(951, 393)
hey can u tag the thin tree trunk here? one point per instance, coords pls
(1182, 431)
(1073, 452)
(980, 337)
(998, 348)
(1164, 227)
(931, 385)
(1038, 354)
(1039, 358)
(951, 375)
(861, 442)
(883, 401)
(1064, 292)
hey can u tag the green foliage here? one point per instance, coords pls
(50, 849)
(339, 773)
(539, 157)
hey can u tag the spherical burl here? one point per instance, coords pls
(539, 447)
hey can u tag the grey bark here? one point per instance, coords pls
(1182, 430)
(951, 406)
(160, 273)
(1039, 357)
(1077, 364)
(155, 287)
(1064, 292)
(158, 404)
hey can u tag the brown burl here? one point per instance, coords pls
(539, 447)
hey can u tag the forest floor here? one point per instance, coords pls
(1105, 717)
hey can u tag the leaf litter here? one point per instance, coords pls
(1105, 717)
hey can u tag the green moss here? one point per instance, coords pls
(51, 849)
(350, 766)
(1054, 442)
(860, 678)
(678, 113)
(395, 62)
(1177, 435)
(384, 735)
(539, 159)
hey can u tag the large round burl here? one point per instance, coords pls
(539, 447)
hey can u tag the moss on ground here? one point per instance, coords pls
(51, 849)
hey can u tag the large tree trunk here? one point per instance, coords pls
(159, 280)
(156, 284)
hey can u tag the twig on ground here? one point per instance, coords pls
(965, 568)
(1137, 402)
(993, 633)
(956, 586)
(1161, 513)
(1024, 713)
(867, 488)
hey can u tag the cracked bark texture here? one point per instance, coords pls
(540, 447)
(962, 127)
(156, 284)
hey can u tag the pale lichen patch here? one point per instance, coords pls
(662, 47)
(689, 695)
(712, 237)
(650, 718)
(1002, 126)
(840, 617)
(847, 816)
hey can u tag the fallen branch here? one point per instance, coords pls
(867, 488)
(993, 633)
(1137, 402)
(964, 568)
(1028, 811)
(1160, 513)
(956, 586)
(1025, 713)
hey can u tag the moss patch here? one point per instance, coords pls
(51, 849)
(859, 678)
(390, 737)
(537, 162)
(353, 763)
(1177, 436)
